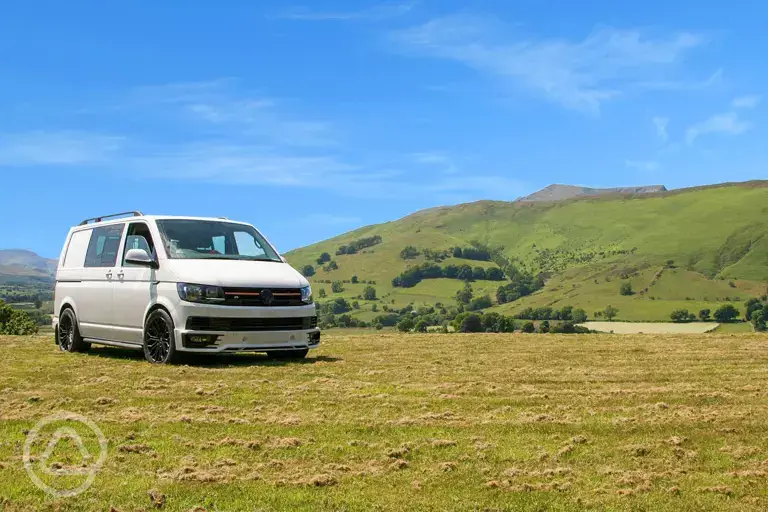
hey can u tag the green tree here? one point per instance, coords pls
(308, 270)
(331, 266)
(38, 304)
(421, 326)
(478, 273)
(579, 316)
(354, 280)
(760, 319)
(471, 323)
(324, 258)
(479, 303)
(626, 289)
(610, 313)
(322, 294)
(528, 327)
(369, 293)
(374, 308)
(544, 327)
(726, 313)
(405, 325)
(704, 315)
(464, 296)
(337, 287)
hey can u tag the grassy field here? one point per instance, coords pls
(718, 245)
(419, 422)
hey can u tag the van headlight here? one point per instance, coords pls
(306, 295)
(200, 293)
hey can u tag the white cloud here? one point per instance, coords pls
(57, 148)
(749, 101)
(575, 74)
(728, 123)
(376, 13)
(661, 124)
(646, 166)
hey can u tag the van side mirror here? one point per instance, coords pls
(140, 257)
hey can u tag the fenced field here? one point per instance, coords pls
(403, 422)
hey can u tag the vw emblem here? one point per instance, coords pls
(267, 297)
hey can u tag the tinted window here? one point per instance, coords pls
(104, 245)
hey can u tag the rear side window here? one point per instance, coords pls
(78, 246)
(103, 247)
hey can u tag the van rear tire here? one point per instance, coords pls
(68, 334)
(159, 338)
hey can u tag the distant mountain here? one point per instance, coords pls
(559, 192)
(19, 265)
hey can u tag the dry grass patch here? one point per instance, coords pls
(421, 422)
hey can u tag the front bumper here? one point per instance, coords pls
(262, 341)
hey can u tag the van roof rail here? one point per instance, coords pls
(99, 219)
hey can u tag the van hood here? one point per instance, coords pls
(236, 273)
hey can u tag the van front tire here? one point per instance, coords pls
(68, 334)
(159, 339)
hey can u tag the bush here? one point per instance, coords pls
(681, 316)
(528, 327)
(726, 314)
(324, 258)
(421, 326)
(337, 287)
(544, 327)
(308, 271)
(464, 296)
(369, 293)
(331, 266)
(409, 252)
(478, 273)
(479, 303)
(626, 289)
(704, 315)
(610, 312)
(494, 274)
(14, 322)
(322, 294)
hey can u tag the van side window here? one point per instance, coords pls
(138, 237)
(77, 248)
(105, 242)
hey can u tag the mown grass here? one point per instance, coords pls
(420, 422)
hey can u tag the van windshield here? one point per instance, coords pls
(202, 239)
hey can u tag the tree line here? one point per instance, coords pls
(414, 275)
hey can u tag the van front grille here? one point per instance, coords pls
(205, 323)
(254, 297)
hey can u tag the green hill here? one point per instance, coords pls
(690, 248)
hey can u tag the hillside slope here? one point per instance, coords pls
(691, 248)
(21, 266)
(559, 192)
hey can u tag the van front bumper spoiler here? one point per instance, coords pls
(248, 341)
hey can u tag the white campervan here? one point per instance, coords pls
(179, 284)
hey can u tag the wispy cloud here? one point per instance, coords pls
(749, 101)
(661, 124)
(376, 13)
(579, 75)
(437, 159)
(57, 148)
(642, 165)
(727, 123)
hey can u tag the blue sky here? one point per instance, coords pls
(310, 119)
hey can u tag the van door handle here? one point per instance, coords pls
(120, 275)
(109, 274)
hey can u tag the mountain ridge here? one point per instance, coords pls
(559, 192)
